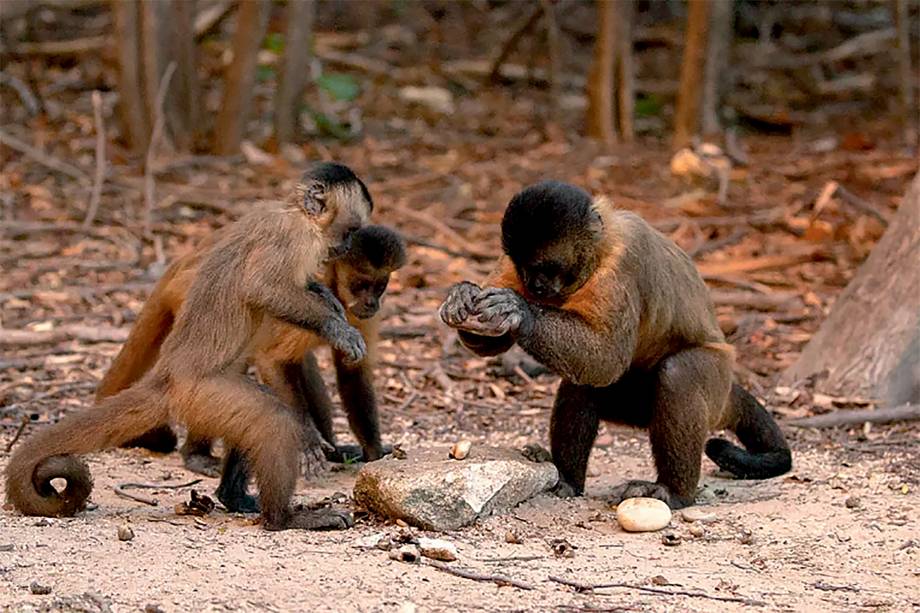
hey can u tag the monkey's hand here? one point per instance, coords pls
(501, 311)
(346, 340)
(315, 448)
(459, 303)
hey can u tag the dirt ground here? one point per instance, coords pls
(838, 533)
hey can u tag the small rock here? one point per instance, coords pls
(513, 537)
(659, 580)
(438, 549)
(198, 505)
(39, 589)
(692, 514)
(153, 608)
(643, 514)
(371, 541)
(437, 99)
(747, 537)
(671, 539)
(853, 502)
(406, 553)
(44, 522)
(433, 492)
(125, 533)
(460, 449)
(401, 523)
(696, 530)
(562, 548)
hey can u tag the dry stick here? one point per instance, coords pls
(525, 26)
(719, 243)
(22, 90)
(859, 204)
(581, 587)
(23, 422)
(468, 574)
(852, 417)
(99, 177)
(43, 158)
(443, 228)
(121, 488)
(155, 137)
(92, 334)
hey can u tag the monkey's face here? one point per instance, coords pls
(361, 291)
(552, 275)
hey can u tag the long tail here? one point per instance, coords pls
(49, 453)
(766, 453)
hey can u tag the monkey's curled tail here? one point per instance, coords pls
(766, 453)
(49, 453)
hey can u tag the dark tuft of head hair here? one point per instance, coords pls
(331, 174)
(381, 247)
(544, 213)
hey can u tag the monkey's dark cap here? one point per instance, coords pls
(332, 173)
(379, 246)
(544, 212)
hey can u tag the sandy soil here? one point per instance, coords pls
(791, 543)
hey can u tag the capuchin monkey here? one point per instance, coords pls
(265, 265)
(622, 315)
(281, 353)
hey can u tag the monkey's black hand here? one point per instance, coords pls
(327, 296)
(647, 489)
(503, 310)
(459, 303)
(346, 340)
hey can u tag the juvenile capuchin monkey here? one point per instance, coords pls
(265, 265)
(282, 353)
(622, 315)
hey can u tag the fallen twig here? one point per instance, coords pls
(43, 158)
(99, 177)
(23, 422)
(443, 228)
(121, 488)
(92, 334)
(22, 90)
(581, 587)
(852, 417)
(81, 290)
(155, 137)
(858, 203)
(719, 243)
(421, 242)
(808, 254)
(468, 574)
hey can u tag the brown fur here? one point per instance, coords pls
(259, 265)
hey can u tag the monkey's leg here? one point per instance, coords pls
(232, 491)
(196, 453)
(306, 379)
(691, 386)
(572, 430)
(356, 387)
(252, 420)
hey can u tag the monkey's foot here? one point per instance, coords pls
(564, 489)
(536, 452)
(647, 489)
(301, 518)
(203, 464)
(349, 454)
(244, 503)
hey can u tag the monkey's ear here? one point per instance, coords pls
(314, 199)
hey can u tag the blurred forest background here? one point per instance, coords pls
(774, 141)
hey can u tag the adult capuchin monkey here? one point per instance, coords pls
(282, 353)
(265, 265)
(622, 315)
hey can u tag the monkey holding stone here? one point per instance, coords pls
(622, 315)
(265, 265)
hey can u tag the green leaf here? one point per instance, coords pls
(339, 86)
(330, 125)
(265, 73)
(648, 106)
(274, 42)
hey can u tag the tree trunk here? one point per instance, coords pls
(251, 22)
(600, 81)
(183, 116)
(717, 64)
(131, 113)
(907, 82)
(870, 343)
(687, 114)
(625, 72)
(295, 68)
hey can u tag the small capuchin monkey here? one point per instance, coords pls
(265, 265)
(622, 315)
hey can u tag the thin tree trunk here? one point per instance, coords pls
(295, 68)
(625, 73)
(156, 42)
(717, 63)
(182, 108)
(131, 112)
(252, 20)
(552, 43)
(599, 118)
(907, 79)
(687, 115)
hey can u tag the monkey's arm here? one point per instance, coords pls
(585, 348)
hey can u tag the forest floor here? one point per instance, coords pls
(839, 532)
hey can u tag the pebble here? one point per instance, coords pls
(406, 553)
(747, 537)
(513, 537)
(853, 502)
(460, 449)
(438, 549)
(697, 531)
(692, 514)
(125, 533)
(36, 588)
(643, 514)
(671, 539)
